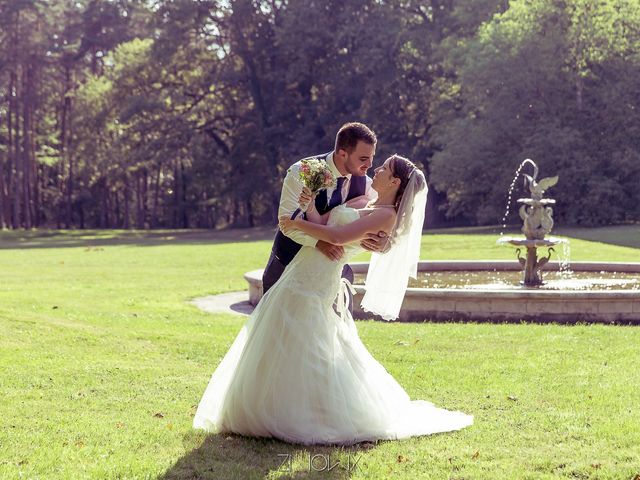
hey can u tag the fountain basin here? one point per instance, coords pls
(537, 203)
(537, 243)
(502, 304)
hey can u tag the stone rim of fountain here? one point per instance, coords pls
(504, 306)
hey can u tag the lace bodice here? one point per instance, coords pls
(342, 215)
(312, 271)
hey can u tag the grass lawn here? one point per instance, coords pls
(103, 361)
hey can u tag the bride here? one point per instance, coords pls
(298, 371)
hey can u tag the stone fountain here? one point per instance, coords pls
(537, 214)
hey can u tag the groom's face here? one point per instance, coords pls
(360, 159)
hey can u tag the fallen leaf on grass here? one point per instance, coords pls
(476, 455)
(406, 344)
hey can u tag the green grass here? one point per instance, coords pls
(103, 361)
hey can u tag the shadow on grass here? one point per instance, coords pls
(142, 238)
(235, 456)
(47, 238)
(621, 235)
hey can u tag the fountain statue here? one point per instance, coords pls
(537, 217)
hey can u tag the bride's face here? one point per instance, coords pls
(384, 179)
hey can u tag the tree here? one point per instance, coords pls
(515, 79)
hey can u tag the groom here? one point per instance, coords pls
(349, 161)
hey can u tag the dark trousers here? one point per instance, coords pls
(273, 272)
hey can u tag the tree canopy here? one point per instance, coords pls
(139, 114)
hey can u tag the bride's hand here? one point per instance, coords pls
(376, 242)
(286, 224)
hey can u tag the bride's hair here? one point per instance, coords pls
(401, 168)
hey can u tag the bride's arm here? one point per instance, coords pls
(379, 220)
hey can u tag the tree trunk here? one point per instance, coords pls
(127, 200)
(177, 195)
(3, 195)
(579, 90)
(183, 202)
(69, 204)
(156, 194)
(81, 212)
(69, 150)
(27, 131)
(249, 208)
(3, 199)
(145, 203)
(110, 221)
(14, 91)
(107, 205)
(7, 205)
(38, 188)
(66, 105)
(117, 219)
(17, 177)
(138, 185)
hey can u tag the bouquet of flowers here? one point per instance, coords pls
(315, 176)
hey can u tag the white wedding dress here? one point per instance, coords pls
(298, 371)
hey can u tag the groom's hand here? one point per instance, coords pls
(331, 251)
(376, 242)
(306, 196)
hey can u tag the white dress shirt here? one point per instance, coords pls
(292, 188)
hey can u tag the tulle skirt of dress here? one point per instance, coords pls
(298, 371)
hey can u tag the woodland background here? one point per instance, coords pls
(186, 114)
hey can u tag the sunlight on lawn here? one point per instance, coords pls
(104, 361)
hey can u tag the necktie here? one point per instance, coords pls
(336, 196)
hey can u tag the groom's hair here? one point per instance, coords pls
(351, 133)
